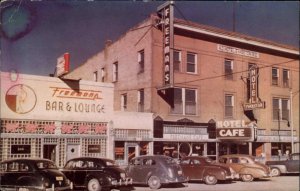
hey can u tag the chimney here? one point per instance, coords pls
(107, 44)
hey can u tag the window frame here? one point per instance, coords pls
(141, 61)
(226, 106)
(124, 102)
(183, 102)
(275, 77)
(286, 81)
(95, 76)
(115, 71)
(103, 73)
(141, 100)
(228, 75)
(179, 61)
(280, 113)
(195, 64)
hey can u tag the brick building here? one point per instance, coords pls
(211, 91)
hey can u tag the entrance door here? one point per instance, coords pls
(131, 153)
(73, 151)
(50, 152)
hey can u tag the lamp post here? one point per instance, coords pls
(291, 120)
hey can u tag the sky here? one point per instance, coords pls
(35, 33)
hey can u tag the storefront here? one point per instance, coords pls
(53, 118)
(182, 138)
(237, 137)
(132, 135)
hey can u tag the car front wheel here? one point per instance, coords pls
(154, 182)
(210, 180)
(93, 185)
(275, 172)
(247, 177)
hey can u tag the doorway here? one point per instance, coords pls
(50, 152)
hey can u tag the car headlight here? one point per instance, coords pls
(170, 172)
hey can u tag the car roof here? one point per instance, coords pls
(151, 157)
(90, 158)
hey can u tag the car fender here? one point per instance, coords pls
(218, 174)
(255, 172)
(282, 168)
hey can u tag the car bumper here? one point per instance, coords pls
(122, 182)
(175, 180)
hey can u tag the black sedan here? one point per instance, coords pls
(95, 174)
(32, 174)
(201, 168)
(155, 171)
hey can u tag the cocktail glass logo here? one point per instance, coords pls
(20, 98)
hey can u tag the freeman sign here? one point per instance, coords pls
(168, 31)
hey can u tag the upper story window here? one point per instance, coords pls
(177, 61)
(229, 105)
(141, 100)
(141, 61)
(123, 102)
(191, 64)
(103, 73)
(228, 65)
(286, 78)
(281, 109)
(275, 76)
(95, 76)
(184, 101)
(115, 72)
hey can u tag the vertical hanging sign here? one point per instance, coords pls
(166, 14)
(254, 101)
(63, 65)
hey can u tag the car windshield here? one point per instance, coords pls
(46, 165)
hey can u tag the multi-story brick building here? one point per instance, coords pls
(211, 91)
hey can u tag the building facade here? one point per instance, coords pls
(57, 119)
(211, 92)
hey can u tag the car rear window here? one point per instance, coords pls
(46, 165)
(169, 160)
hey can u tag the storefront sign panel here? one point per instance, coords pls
(185, 137)
(234, 133)
(238, 51)
(20, 149)
(40, 97)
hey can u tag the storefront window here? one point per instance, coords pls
(119, 150)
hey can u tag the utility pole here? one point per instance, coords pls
(291, 120)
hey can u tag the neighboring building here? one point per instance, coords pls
(54, 118)
(211, 91)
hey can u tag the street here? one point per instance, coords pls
(282, 183)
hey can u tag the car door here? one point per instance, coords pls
(135, 170)
(187, 168)
(235, 164)
(292, 165)
(197, 168)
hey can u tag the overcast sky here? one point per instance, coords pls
(35, 33)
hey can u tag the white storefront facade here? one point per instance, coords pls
(52, 118)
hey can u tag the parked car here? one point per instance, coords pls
(32, 174)
(201, 168)
(290, 165)
(155, 171)
(95, 174)
(245, 166)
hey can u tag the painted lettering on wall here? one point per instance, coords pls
(76, 94)
(74, 107)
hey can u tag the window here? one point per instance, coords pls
(115, 72)
(229, 104)
(285, 78)
(281, 109)
(190, 102)
(184, 101)
(141, 61)
(191, 63)
(228, 64)
(177, 60)
(141, 103)
(95, 76)
(124, 102)
(103, 74)
(275, 76)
